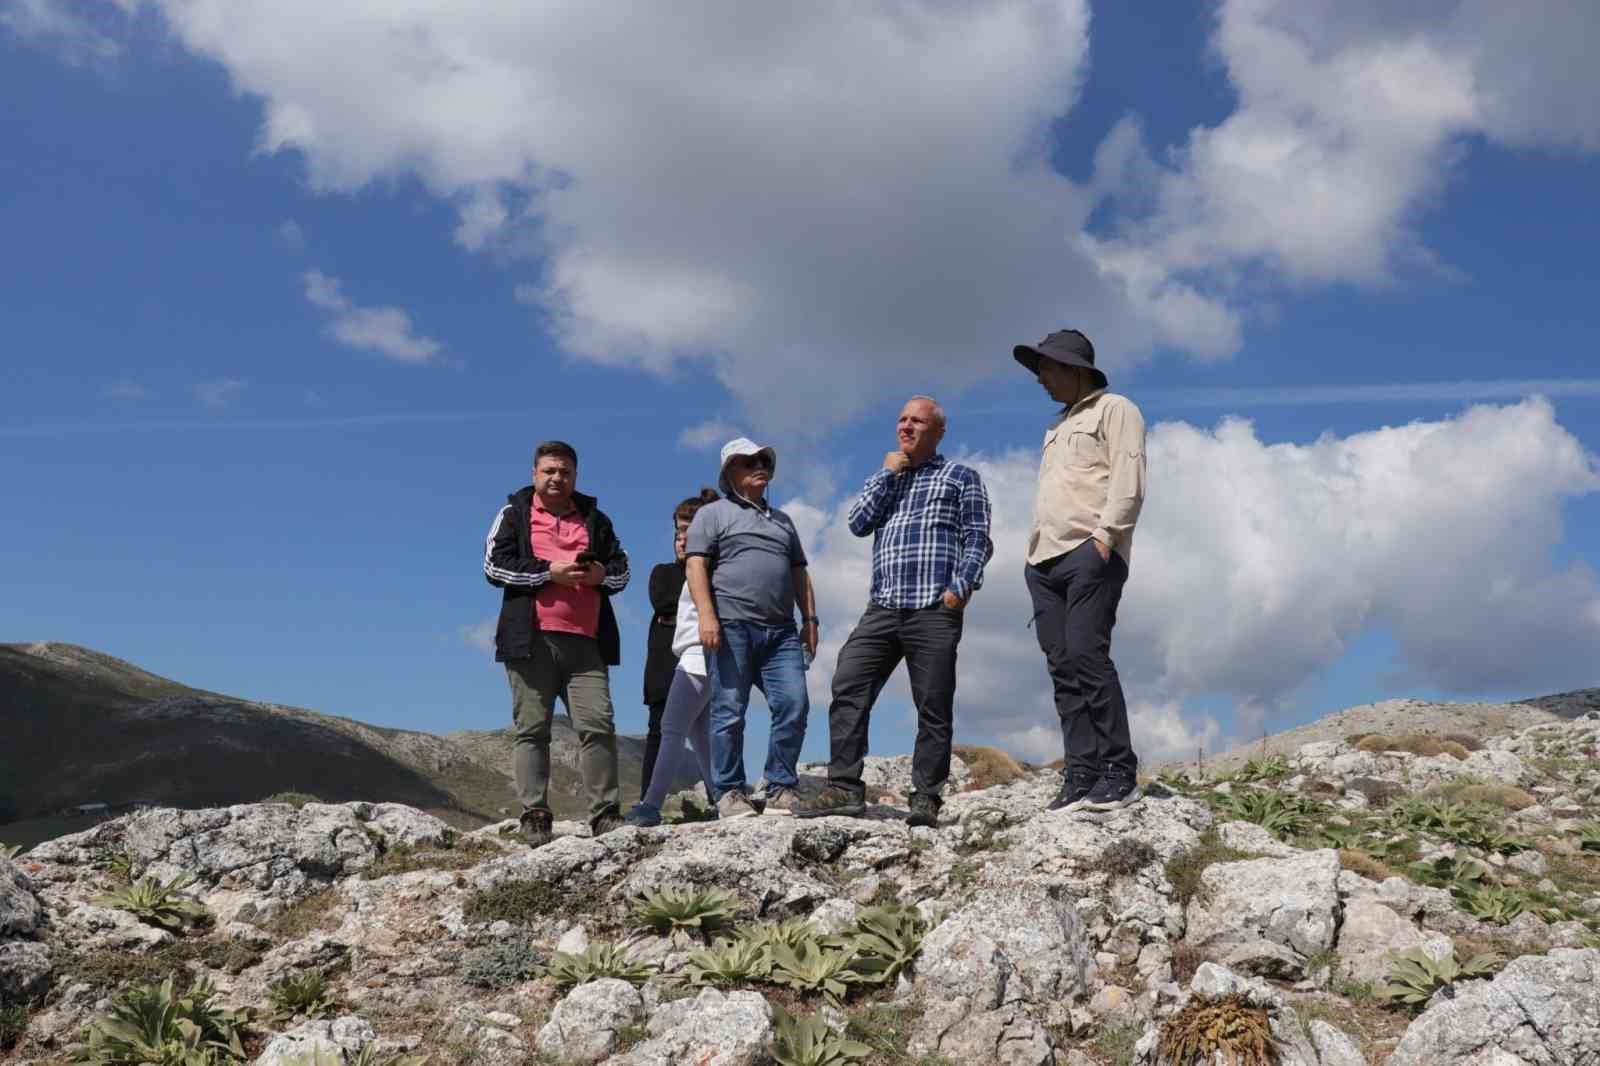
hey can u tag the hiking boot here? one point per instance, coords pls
(538, 828)
(734, 804)
(1112, 791)
(1075, 788)
(835, 799)
(781, 800)
(643, 816)
(924, 811)
(605, 824)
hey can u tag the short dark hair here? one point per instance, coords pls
(686, 510)
(558, 448)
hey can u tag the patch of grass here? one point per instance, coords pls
(293, 799)
(1424, 744)
(886, 1029)
(453, 854)
(628, 1036)
(13, 1023)
(514, 901)
(1113, 1044)
(1357, 861)
(1481, 793)
(1183, 871)
(113, 969)
(964, 874)
(1366, 1020)
(303, 917)
(1466, 740)
(989, 766)
(1126, 856)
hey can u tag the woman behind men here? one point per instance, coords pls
(684, 718)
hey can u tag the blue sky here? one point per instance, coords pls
(276, 338)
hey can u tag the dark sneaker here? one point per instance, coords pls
(605, 824)
(693, 812)
(538, 828)
(1111, 792)
(781, 801)
(734, 804)
(643, 816)
(924, 811)
(835, 799)
(1074, 790)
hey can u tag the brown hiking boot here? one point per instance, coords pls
(781, 800)
(734, 804)
(835, 799)
(538, 828)
(924, 810)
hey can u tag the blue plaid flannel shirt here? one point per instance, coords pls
(931, 532)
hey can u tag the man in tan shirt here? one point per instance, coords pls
(1091, 486)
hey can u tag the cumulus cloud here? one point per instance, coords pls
(219, 394)
(709, 434)
(1256, 565)
(1349, 116)
(68, 27)
(385, 330)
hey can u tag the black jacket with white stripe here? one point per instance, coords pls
(509, 564)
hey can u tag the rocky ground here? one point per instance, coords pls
(1268, 912)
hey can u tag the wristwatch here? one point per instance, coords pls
(811, 618)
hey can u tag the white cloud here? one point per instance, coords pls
(126, 390)
(1349, 117)
(66, 27)
(709, 434)
(290, 236)
(479, 635)
(219, 394)
(385, 330)
(1256, 566)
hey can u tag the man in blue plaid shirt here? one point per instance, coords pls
(929, 519)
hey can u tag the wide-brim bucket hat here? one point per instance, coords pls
(1066, 346)
(743, 446)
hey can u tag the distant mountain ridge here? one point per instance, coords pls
(83, 727)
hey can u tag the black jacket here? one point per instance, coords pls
(509, 564)
(666, 584)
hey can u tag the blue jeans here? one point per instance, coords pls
(768, 657)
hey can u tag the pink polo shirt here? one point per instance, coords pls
(562, 608)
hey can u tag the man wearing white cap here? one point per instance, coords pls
(747, 574)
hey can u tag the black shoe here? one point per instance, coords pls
(924, 811)
(1075, 788)
(538, 828)
(1112, 791)
(606, 823)
(835, 799)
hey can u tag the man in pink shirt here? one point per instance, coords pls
(558, 560)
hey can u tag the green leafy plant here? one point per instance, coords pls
(119, 863)
(1492, 903)
(1228, 1028)
(1262, 768)
(809, 1042)
(886, 941)
(304, 994)
(368, 1056)
(1340, 837)
(1281, 815)
(826, 967)
(151, 1025)
(1416, 976)
(504, 963)
(728, 962)
(704, 910)
(1459, 875)
(791, 932)
(159, 903)
(600, 960)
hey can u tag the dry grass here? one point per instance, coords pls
(1506, 797)
(1359, 862)
(1184, 871)
(304, 917)
(1424, 744)
(1369, 1022)
(1186, 959)
(456, 854)
(989, 766)
(1466, 740)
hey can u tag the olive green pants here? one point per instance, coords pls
(568, 666)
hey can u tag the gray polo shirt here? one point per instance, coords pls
(751, 552)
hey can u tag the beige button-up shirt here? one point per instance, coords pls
(1091, 478)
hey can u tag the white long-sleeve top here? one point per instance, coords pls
(686, 638)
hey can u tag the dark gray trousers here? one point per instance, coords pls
(1075, 599)
(926, 639)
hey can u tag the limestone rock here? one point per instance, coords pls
(20, 913)
(1373, 933)
(24, 969)
(583, 1027)
(1539, 1010)
(1333, 1047)
(1292, 902)
(712, 1029)
(339, 1037)
(1252, 839)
